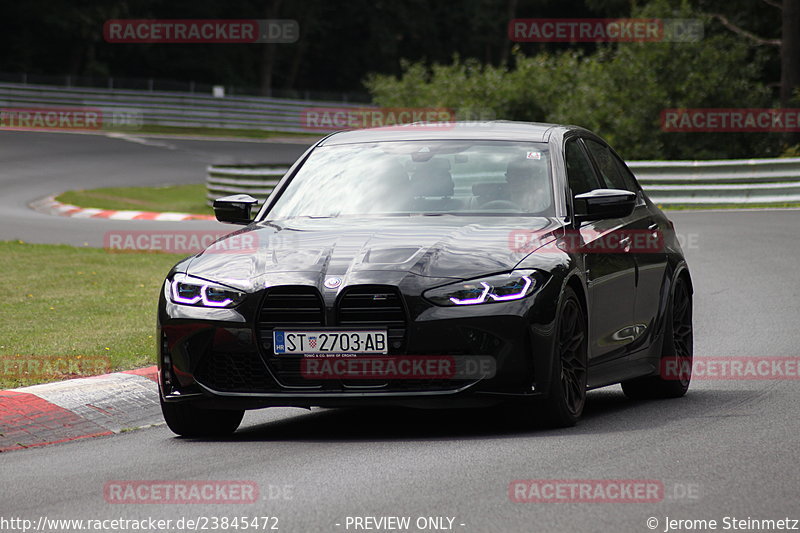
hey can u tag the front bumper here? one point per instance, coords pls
(223, 358)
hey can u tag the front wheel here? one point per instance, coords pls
(187, 420)
(567, 396)
(675, 366)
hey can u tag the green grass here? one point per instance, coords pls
(216, 132)
(176, 198)
(83, 305)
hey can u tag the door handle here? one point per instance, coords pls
(654, 231)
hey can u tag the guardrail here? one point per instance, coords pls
(732, 181)
(691, 183)
(255, 180)
(184, 86)
(129, 110)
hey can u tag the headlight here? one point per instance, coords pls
(201, 293)
(500, 288)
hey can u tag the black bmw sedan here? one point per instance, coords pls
(431, 265)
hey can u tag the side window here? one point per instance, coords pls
(580, 174)
(626, 173)
(609, 168)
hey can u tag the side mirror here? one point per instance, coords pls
(234, 209)
(604, 203)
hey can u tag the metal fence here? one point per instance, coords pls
(257, 181)
(735, 181)
(130, 109)
(161, 85)
(691, 183)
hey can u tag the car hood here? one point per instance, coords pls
(430, 246)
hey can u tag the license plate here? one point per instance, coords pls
(329, 341)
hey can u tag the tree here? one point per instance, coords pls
(790, 50)
(789, 44)
(619, 91)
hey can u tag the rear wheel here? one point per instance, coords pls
(189, 421)
(675, 368)
(567, 395)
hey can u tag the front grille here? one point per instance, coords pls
(361, 306)
(371, 306)
(375, 306)
(234, 372)
(291, 307)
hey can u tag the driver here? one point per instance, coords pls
(529, 184)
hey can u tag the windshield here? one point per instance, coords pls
(421, 177)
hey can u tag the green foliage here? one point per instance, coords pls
(618, 91)
(465, 86)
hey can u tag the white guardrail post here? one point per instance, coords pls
(690, 183)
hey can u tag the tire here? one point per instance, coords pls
(188, 421)
(567, 396)
(675, 365)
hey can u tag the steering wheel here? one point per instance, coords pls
(500, 205)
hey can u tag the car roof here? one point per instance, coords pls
(497, 130)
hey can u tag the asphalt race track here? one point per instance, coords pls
(36, 164)
(730, 448)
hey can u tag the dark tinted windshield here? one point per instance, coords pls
(421, 177)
